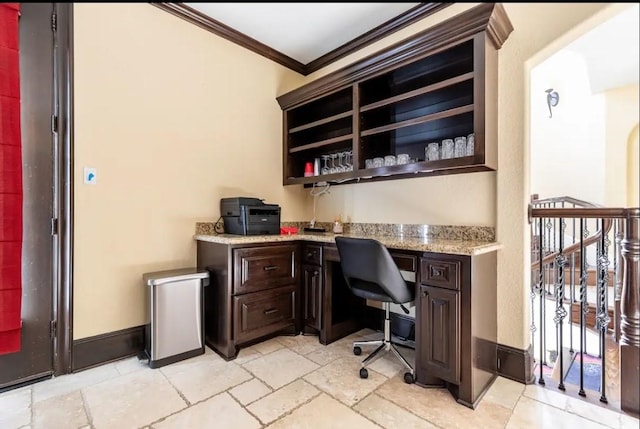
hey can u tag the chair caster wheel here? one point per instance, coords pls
(357, 351)
(364, 373)
(409, 378)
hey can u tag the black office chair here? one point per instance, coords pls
(371, 273)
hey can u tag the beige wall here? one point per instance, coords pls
(623, 110)
(495, 199)
(633, 169)
(573, 138)
(173, 118)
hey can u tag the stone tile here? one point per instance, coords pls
(504, 392)
(269, 346)
(301, 344)
(62, 411)
(545, 395)
(129, 365)
(131, 401)
(341, 379)
(16, 408)
(204, 376)
(389, 415)
(438, 406)
(628, 422)
(593, 412)
(529, 413)
(246, 355)
(70, 382)
(250, 391)
(220, 412)
(388, 364)
(331, 352)
(280, 367)
(323, 412)
(282, 401)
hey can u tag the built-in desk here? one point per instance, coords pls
(263, 286)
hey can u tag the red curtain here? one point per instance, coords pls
(10, 182)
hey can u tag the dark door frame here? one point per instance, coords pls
(62, 26)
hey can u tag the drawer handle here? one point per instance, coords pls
(309, 255)
(271, 311)
(271, 267)
(437, 272)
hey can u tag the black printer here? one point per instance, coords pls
(249, 216)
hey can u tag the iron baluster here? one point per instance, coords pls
(603, 310)
(542, 298)
(583, 304)
(560, 313)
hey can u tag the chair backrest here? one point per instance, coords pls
(369, 260)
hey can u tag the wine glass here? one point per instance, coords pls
(325, 167)
(333, 168)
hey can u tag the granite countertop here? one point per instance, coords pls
(421, 244)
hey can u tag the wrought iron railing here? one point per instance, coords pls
(581, 254)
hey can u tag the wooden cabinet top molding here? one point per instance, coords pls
(488, 17)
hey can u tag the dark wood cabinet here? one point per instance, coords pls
(254, 293)
(440, 346)
(440, 84)
(456, 324)
(311, 288)
(311, 307)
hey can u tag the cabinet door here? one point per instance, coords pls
(440, 342)
(311, 296)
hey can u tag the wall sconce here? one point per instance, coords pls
(553, 98)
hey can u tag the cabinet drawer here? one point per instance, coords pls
(262, 313)
(435, 272)
(312, 254)
(260, 268)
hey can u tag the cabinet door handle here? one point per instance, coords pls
(270, 268)
(309, 255)
(271, 311)
(425, 294)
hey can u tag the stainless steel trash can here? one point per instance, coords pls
(175, 328)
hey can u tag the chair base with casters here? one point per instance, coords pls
(384, 345)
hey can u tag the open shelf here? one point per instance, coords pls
(321, 143)
(419, 120)
(319, 122)
(441, 84)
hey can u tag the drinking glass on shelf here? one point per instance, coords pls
(378, 162)
(325, 167)
(368, 163)
(471, 139)
(333, 169)
(460, 147)
(447, 148)
(348, 161)
(403, 158)
(432, 152)
(340, 168)
(389, 160)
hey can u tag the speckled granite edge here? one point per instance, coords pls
(444, 232)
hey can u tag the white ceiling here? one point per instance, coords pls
(612, 51)
(306, 31)
(302, 31)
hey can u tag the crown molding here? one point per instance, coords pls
(380, 32)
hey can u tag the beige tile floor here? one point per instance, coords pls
(284, 382)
